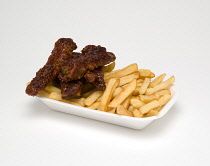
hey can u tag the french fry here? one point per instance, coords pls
(136, 103)
(57, 96)
(93, 97)
(137, 113)
(139, 84)
(109, 67)
(99, 99)
(157, 80)
(151, 113)
(162, 92)
(164, 99)
(122, 72)
(136, 91)
(106, 97)
(43, 93)
(122, 111)
(116, 92)
(94, 106)
(124, 94)
(79, 101)
(131, 108)
(146, 108)
(51, 88)
(144, 86)
(152, 75)
(139, 80)
(85, 95)
(112, 110)
(126, 102)
(161, 86)
(126, 79)
(148, 98)
(145, 73)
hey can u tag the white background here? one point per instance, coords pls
(164, 36)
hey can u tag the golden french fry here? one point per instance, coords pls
(51, 88)
(136, 103)
(161, 86)
(157, 80)
(164, 99)
(148, 98)
(158, 108)
(57, 96)
(106, 97)
(79, 101)
(137, 113)
(122, 72)
(109, 67)
(99, 99)
(139, 80)
(93, 97)
(139, 84)
(43, 93)
(94, 106)
(131, 108)
(116, 92)
(136, 91)
(85, 95)
(126, 79)
(124, 94)
(112, 110)
(122, 111)
(146, 108)
(152, 75)
(145, 73)
(162, 92)
(144, 86)
(126, 102)
(151, 113)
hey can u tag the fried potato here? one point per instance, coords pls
(144, 72)
(109, 67)
(93, 97)
(126, 102)
(164, 99)
(106, 97)
(161, 86)
(151, 113)
(144, 86)
(137, 113)
(136, 103)
(88, 93)
(124, 94)
(122, 111)
(136, 91)
(162, 92)
(116, 92)
(51, 88)
(79, 101)
(43, 93)
(126, 79)
(122, 72)
(146, 108)
(157, 80)
(139, 80)
(94, 106)
(148, 98)
(131, 108)
(112, 110)
(57, 96)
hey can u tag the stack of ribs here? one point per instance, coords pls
(72, 70)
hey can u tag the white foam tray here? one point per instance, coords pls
(130, 122)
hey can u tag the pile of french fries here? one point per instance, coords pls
(129, 91)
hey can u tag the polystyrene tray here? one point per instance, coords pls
(126, 121)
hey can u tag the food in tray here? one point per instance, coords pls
(88, 79)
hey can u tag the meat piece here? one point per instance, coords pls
(96, 77)
(92, 57)
(72, 89)
(62, 51)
